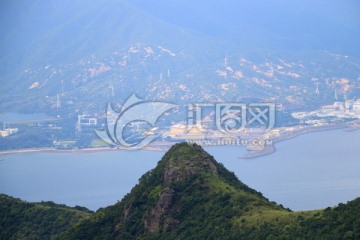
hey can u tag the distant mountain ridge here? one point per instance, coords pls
(79, 47)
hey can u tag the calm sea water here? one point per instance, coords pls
(92, 180)
(312, 171)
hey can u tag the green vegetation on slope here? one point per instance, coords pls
(191, 196)
(187, 196)
(46, 220)
(341, 222)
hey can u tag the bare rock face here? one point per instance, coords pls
(169, 225)
(160, 211)
(175, 173)
(180, 168)
(126, 212)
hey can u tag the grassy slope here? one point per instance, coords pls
(46, 220)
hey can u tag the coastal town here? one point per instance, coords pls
(258, 141)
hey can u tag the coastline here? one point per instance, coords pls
(82, 150)
(272, 149)
(163, 146)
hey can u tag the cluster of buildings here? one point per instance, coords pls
(348, 105)
(85, 122)
(8, 131)
(338, 111)
(180, 131)
(348, 110)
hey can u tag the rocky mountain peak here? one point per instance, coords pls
(186, 187)
(185, 161)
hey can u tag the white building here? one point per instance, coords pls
(356, 106)
(339, 106)
(8, 131)
(177, 130)
(349, 104)
(85, 120)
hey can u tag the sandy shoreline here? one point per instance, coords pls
(83, 150)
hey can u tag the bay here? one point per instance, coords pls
(311, 171)
(92, 180)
